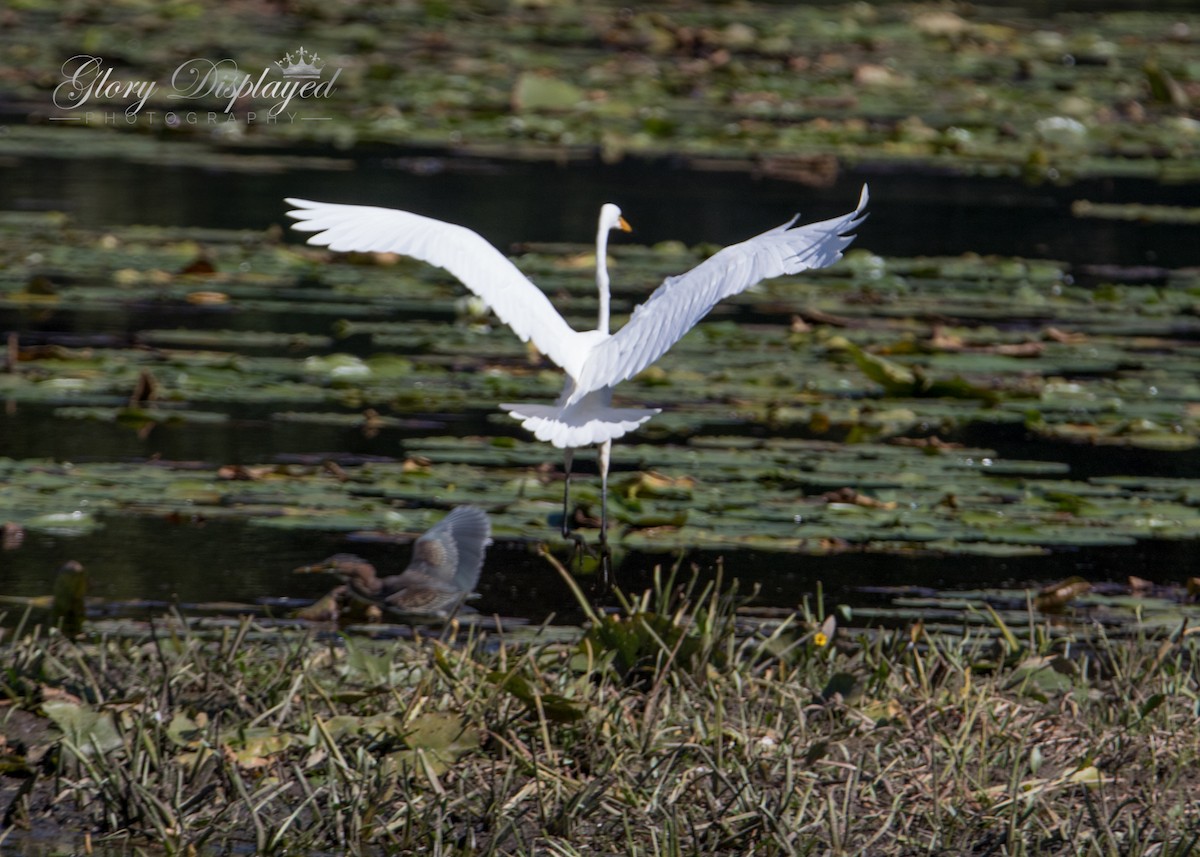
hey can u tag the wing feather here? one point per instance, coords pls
(680, 302)
(464, 253)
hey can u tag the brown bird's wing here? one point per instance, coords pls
(422, 595)
(452, 551)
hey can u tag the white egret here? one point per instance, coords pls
(594, 361)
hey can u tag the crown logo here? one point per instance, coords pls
(306, 69)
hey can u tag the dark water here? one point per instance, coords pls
(250, 436)
(911, 215)
(132, 560)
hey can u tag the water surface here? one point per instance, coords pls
(927, 214)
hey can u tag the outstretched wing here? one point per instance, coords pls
(481, 267)
(452, 550)
(680, 302)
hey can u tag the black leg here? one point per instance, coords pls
(568, 457)
(604, 456)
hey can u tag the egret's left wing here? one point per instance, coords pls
(680, 302)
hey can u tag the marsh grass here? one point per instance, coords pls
(678, 724)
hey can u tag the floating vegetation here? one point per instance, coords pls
(1145, 213)
(981, 90)
(868, 378)
(772, 495)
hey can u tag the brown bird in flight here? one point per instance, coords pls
(444, 568)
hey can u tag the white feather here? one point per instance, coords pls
(477, 264)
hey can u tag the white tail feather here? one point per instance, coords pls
(572, 426)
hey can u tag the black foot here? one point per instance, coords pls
(581, 548)
(605, 577)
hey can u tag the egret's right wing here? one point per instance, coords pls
(680, 302)
(464, 253)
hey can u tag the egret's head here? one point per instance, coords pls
(610, 218)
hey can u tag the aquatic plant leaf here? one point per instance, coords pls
(842, 686)
(903, 381)
(365, 666)
(372, 726)
(88, 731)
(184, 730)
(1089, 775)
(535, 92)
(1044, 677)
(442, 733)
(556, 707)
(256, 746)
(62, 523)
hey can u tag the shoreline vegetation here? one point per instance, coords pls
(681, 723)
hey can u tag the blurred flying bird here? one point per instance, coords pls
(443, 571)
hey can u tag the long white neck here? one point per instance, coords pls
(602, 277)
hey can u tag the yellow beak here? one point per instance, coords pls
(624, 224)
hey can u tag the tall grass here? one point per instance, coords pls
(676, 725)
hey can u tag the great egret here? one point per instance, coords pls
(444, 568)
(594, 361)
